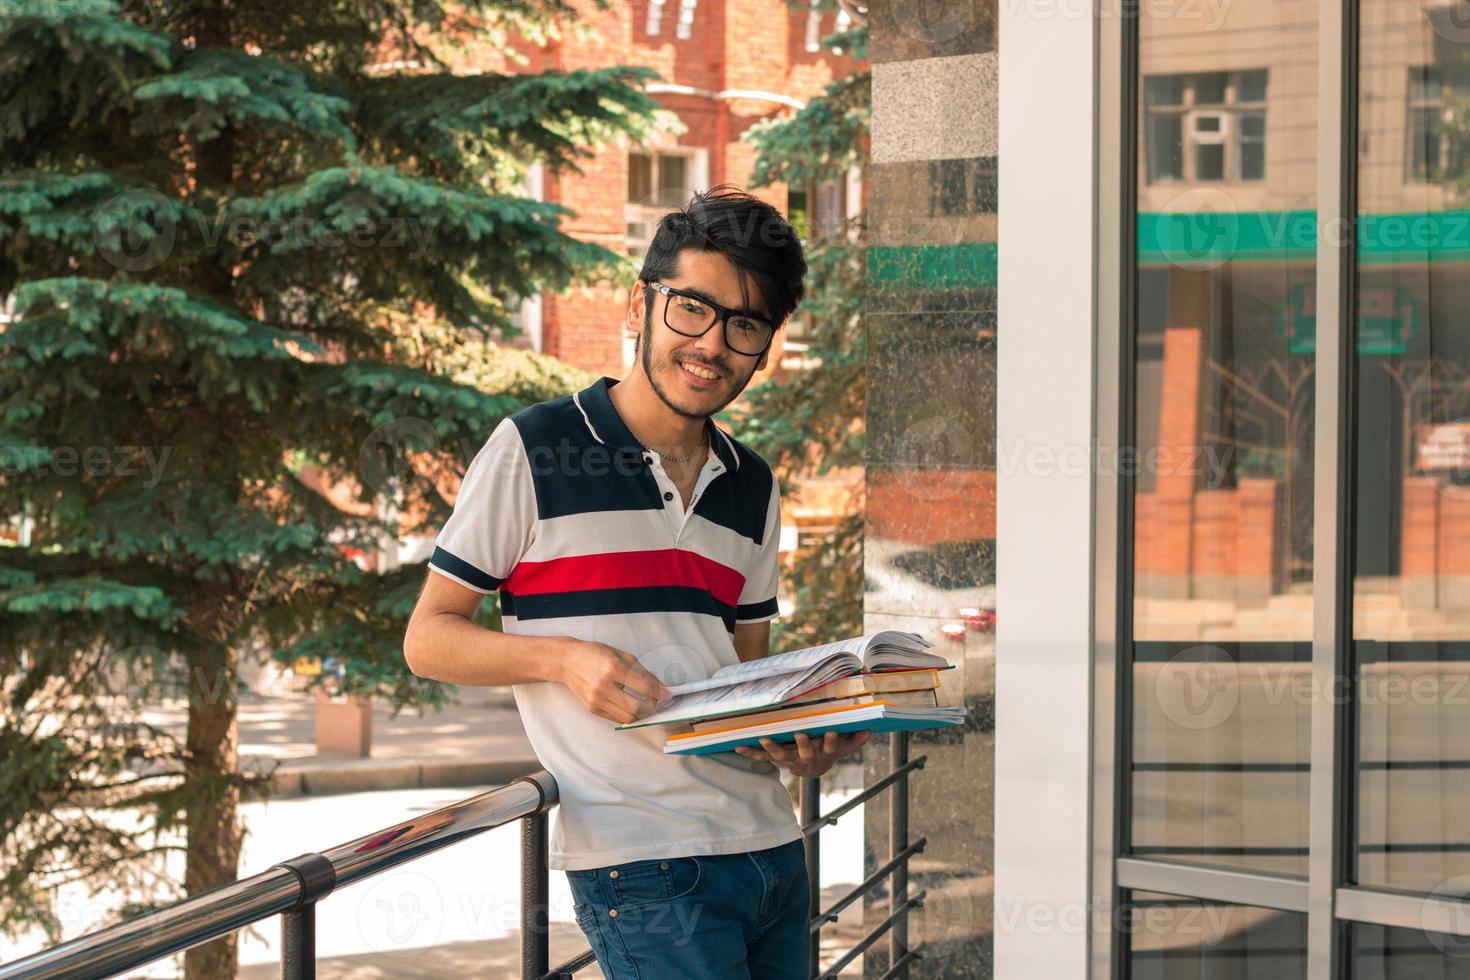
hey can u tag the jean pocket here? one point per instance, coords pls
(639, 883)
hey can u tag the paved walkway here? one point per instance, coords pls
(479, 740)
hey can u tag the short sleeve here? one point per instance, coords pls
(494, 515)
(758, 597)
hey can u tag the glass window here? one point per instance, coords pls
(1203, 109)
(1252, 145)
(1165, 147)
(1209, 88)
(1222, 484)
(1411, 365)
(1250, 86)
(1175, 938)
(640, 176)
(1384, 953)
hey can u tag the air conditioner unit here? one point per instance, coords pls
(1209, 127)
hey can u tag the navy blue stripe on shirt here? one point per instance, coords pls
(756, 610)
(612, 602)
(464, 571)
(575, 474)
(739, 503)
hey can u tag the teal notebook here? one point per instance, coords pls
(816, 727)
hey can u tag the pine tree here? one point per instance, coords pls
(813, 423)
(240, 242)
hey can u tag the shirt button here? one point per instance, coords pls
(668, 495)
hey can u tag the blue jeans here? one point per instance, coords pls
(711, 917)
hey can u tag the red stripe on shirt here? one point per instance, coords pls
(627, 569)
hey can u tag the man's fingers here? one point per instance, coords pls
(804, 750)
(778, 753)
(637, 678)
(618, 707)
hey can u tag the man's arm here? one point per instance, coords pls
(444, 644)
(753, 640)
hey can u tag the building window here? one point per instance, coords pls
(962, 187)
(1434, 95)
(1205, 126)
(657, 182)
(831, 207)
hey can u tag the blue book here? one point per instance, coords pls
(863, 717)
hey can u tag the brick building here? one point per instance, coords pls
(724, 66)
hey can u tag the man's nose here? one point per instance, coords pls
(711, 343)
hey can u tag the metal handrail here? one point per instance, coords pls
(292, 888)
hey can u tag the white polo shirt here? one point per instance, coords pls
(583, 534)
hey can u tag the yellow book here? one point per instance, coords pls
(927, 698)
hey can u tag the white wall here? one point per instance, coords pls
(1045, 427)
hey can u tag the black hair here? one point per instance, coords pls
(752, 234)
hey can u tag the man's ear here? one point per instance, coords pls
(636, 300)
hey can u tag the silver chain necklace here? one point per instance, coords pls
(675, 459)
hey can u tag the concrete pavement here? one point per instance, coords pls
(478, 741)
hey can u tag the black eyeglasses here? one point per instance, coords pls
(692, 316)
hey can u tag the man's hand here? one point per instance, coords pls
(602, 678)
(806, 758)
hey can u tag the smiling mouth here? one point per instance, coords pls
(700, 371)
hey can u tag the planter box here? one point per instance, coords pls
(343, 727)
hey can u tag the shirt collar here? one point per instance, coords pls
(608, 427)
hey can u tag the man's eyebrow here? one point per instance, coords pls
(701, 294)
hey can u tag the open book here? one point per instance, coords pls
(769, 681)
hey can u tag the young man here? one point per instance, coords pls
(634, 545)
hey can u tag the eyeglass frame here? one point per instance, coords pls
(722, 316)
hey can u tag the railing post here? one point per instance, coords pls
(811, 802)
(535, 890)
(318, 876)
(298, 943)
(898, 833)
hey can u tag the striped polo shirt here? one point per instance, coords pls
(583, 534)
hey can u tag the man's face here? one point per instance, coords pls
(677, 366)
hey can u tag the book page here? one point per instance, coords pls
(779, 663)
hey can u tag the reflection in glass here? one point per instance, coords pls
(1383, 953)
(1223, 425)
(1411, 589)
(1173, 938)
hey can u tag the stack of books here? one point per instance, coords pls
(882, 682)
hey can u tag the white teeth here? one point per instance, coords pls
(700, 372)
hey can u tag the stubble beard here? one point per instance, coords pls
(646, 359)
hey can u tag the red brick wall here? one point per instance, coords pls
(925, 507)
(738, 44)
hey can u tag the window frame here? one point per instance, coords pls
(1331, 904)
